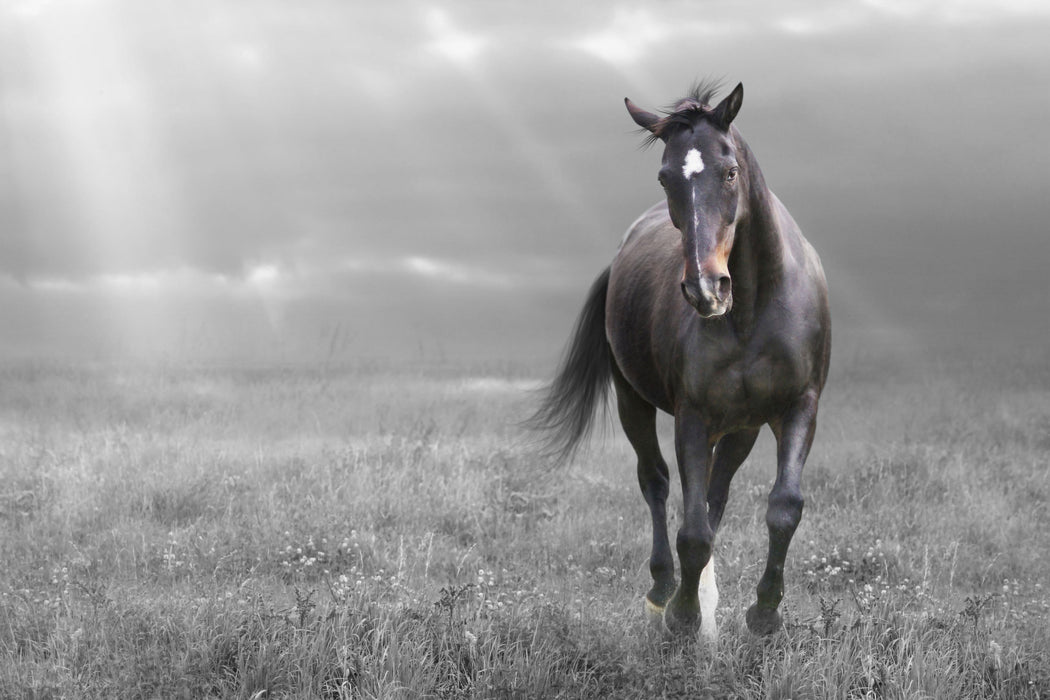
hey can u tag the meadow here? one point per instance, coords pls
(367, 530)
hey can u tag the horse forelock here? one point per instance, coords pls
(703, 92)
(687, 112)
(689, 106)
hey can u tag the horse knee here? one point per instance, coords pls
(694, 546)
(784, 512)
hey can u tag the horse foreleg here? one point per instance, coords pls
(730, 453)
(695, 537)
(794, 435)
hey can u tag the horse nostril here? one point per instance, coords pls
(723, 286)
(692, 295)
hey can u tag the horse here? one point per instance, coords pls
(714, 310)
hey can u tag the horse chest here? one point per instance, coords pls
(748, 385)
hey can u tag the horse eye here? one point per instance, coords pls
(660, 179)
(731, 175)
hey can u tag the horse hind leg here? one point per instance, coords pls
(638, 418)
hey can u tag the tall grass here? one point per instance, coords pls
(357, 532)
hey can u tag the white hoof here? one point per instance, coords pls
(654, 613)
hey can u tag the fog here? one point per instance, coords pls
(412, 180)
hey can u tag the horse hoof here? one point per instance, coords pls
(763, 621)
(654, 613)
(681, 626)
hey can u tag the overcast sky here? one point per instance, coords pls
(443, 178)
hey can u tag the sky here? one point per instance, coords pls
(273, 180)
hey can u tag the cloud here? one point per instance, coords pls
(635, 31)
(498, 273)
(263, 275)
(179, 282)
(955, 11)
(456, 273)
(450, 41)
(396, 154)
(627, 38)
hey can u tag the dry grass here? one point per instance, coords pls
(199, 532)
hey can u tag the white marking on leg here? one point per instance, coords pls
(693, 163)
(708, 602)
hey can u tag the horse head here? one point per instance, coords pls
(701, 177)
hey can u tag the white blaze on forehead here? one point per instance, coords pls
(693, 163)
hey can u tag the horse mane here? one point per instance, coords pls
(687, 111)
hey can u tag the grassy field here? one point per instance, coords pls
(369, 532)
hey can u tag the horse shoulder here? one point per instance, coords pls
(789, 355)
(640, 302)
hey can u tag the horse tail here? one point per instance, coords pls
(566, 412)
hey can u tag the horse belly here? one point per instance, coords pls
(637, 365)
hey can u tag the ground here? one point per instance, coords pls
(187, 531)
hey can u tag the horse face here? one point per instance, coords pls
(701, 179)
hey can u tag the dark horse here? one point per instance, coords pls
(714, 310)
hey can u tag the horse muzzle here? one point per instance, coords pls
(711, 295)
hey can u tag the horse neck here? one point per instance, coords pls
(756, 263)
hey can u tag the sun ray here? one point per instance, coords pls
(536, 152)
(91, 98)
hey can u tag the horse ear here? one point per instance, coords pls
(727, 109)
(646, 120)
